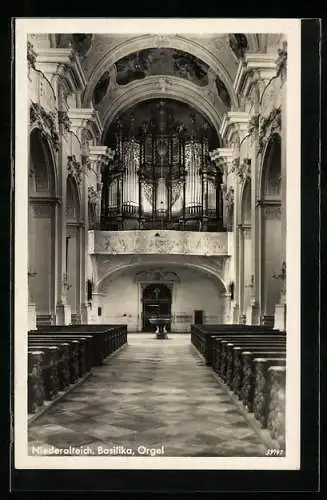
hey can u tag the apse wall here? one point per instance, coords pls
(121, 300)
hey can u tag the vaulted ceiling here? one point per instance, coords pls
(198, 70)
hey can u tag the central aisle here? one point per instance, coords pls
(152, 394)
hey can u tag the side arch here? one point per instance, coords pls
(42, 246)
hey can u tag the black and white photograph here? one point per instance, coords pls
(157, 291)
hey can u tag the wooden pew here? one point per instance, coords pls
(235, 369)
(63, 369)
(218, 342)
(239, 361)
(75, 350)
(66, 369)
(49, 369)
(261, 389)
(36, 392)
(276, 406)
(248, 382)
(224, 352)
(202, 336)
(211, 345)
(59, 355)
(80, 349)
(97, 341)
(108, 338)
(116, 338)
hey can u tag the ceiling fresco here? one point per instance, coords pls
(161, 61)
(176, 113)
(148, 62)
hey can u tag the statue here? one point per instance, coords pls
(229, 205)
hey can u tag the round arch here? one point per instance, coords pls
(154, 87)
(73, 205)
(148, 41)
(270, 169)
(244, 210)
(42, 250)
(127, 267)
(271, 236)
(245, 250)
(42, 150)
(72, 278)
(201, 290)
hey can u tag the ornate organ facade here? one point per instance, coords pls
(161, 176)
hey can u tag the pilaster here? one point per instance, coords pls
(227, 308)
(31, 316)
(63, 314)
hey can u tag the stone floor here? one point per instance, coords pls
(153, 397)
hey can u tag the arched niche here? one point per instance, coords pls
(41, 228)
(271, 228)
(271, 172)
(245, 249)
(72, 275)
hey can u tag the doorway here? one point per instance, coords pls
(156, 300)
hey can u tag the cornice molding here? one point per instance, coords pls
(85, 118)
(234, 120)
(254, 67)
(63, 62)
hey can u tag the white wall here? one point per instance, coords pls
(121, 300)
(120, 303)
(197, 292)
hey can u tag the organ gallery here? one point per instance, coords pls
(162, 175)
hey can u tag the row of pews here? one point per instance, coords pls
(59, 356)
(251, 361)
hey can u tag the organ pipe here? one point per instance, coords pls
(161, 174)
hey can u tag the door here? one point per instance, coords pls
(156, 302)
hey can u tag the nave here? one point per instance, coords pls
(151, 394)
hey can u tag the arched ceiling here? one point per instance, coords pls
(179, 269)
(201, 67)
(175, 112)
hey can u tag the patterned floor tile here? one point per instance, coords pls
(151, 394)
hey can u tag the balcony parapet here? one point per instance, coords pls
(158, 242)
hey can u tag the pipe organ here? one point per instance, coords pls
(161, 178)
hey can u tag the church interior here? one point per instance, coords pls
(157, 243)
